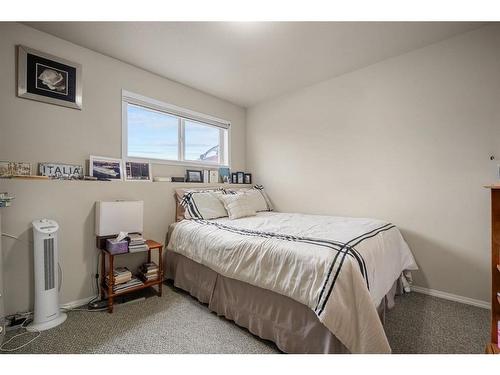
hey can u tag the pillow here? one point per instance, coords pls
(180, 210)
(258, 198)
(203, 205)
(237, 205)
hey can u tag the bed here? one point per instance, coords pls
(309, 283)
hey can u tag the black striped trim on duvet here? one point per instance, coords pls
(341, 249)
(335, 269)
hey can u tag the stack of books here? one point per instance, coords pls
(149, 271)
(123, 280)
(121, 275)
(137, 243)
(134, 282)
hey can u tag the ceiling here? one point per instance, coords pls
(248, 62)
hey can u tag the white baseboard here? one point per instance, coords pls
(77, 303)
(414, 288)
(451, 297)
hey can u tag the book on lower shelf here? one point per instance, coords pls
(134, 282)
(149, 271)
(120, 275)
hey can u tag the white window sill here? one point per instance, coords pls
(196, 164)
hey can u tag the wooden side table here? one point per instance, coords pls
(107, 290)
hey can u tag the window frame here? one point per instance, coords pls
(182, 115)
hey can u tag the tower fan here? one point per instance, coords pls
(46, 262)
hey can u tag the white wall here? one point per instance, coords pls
(407, 140)
(35, 132)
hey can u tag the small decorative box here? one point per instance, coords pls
(117, 247)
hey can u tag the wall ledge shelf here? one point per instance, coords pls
(176, 184)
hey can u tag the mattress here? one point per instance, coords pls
(341, 268)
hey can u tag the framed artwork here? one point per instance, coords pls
(241, 177)
(138, 171)
(61, 171)
(105, 168)
(14, 168)
(248, 178)
(194, 176)
(213, 177)
(234, 178)
(5, 169)
(224, 175)
(48, 78)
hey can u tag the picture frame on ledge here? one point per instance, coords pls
(225, 175)
(48, 78)
(234, 178)
(61, 171)
(241, 177)
(14, 169)
(138, 171)
(194, 176)
(248, 178)
(104, 168)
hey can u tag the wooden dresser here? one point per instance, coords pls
(2, 298)
(492, 346)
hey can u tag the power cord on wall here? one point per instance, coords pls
(16, 238)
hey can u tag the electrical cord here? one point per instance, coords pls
(96, 282)
(80, 309)
(23, 326)
(16, 238)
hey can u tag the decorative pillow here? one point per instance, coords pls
(237, 205)
(203, 205)
(258, 198)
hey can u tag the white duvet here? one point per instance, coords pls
(339, 267)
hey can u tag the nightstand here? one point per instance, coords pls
(107, 290)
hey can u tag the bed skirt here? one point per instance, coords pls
(292, 326)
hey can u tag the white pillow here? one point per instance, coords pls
(203, 205)
(237, 205)
(258, 198)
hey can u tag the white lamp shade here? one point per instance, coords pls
(118, 216)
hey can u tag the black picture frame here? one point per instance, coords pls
(234, 178)
(194, 176)
(241, 177)
(248, 178)
(137, 171)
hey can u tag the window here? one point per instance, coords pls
(164, 133)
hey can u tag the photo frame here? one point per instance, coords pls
(194, 175)
(241, 177)
(105, 168)
(138, 171)
(248, 178)
(234, 178)
(14, 168)
(48, 78)
(225, 175)
(5, 169)
(61, 171)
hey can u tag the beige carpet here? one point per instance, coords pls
(177, 323)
